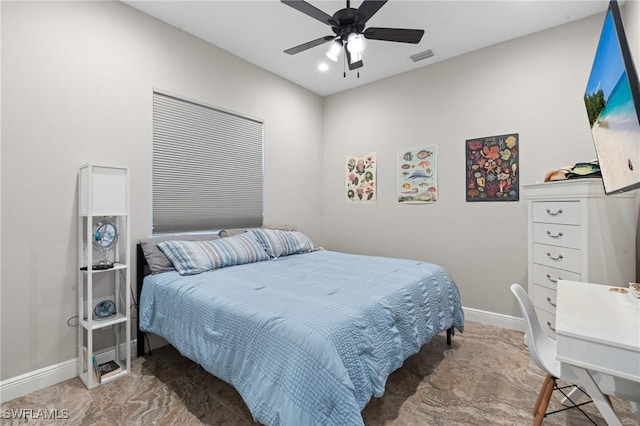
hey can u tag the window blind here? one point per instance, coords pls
(207, 167)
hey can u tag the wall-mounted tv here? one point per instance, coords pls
(612, 100)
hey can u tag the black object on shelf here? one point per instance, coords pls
(99, 267)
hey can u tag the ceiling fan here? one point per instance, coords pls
(348, 24)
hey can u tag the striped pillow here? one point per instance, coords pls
(194, 257)
(282, 243)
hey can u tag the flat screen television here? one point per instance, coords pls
(612, 100)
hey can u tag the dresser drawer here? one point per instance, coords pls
(544, 298)
(548, 276)
(547, 322)
(567, 212)
(557, 257)
(557, 234)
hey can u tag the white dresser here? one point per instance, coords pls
(577, 233)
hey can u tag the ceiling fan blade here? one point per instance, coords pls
(401, 35)
(309, 10)
(368, 8)
(354, 65)
(309, 45)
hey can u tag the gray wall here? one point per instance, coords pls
(77, 81)
(533, 86)
(631, 22)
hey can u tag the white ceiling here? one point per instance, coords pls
(259, 31)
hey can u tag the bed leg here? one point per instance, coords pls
(140, 344)
(450, 333)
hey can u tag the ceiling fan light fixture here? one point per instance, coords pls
(350, 30)
(355, 57)
(355, 44)
(334, 51)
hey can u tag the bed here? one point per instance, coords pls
(305, 338)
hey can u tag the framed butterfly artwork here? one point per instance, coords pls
(492, 168)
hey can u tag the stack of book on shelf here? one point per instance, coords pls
(96, 370)
(105, 370)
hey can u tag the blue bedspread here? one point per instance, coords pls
(305, 339)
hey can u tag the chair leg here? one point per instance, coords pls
(541, 393)
(545, 392)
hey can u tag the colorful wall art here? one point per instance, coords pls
(417, 175)
(492, 168)
(361, 178)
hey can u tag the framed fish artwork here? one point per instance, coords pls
(418, 175)
(492, 168)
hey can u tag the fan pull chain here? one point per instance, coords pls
(344, 64)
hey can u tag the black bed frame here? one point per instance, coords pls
(142, 270)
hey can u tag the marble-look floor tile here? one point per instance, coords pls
(485, 377)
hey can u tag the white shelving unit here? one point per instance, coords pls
(103, 196)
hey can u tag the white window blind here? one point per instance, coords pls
(207, 167)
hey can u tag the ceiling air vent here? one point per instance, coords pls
(422, 55)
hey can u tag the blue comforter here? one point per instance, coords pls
(305, 339)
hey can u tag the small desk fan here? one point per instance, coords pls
(105, 235)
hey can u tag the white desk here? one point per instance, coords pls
(598, 341)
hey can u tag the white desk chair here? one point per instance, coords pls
(542, 349)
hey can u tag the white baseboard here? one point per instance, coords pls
(35, 380)
(492, 318)
(47, 376)
(18, 386)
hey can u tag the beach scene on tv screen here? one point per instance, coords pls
(612, 114)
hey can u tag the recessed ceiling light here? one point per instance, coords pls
(323, 66)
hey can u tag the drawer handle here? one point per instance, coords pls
(551, 279)
(549, 325)
(559, 257)
(558, 235)
(556, 213)
(551, 303)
